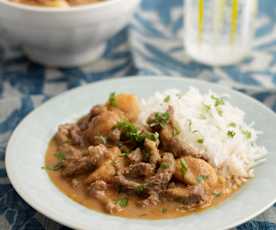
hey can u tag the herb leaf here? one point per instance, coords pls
(55, 167)
(167, 98)
(161, 119)
(232, 124)
(124, 154)
(151, 136)
(183, 167)
(247, 134)
(200, 141)
(130, 131)
(60, 156)
(206, 108)
(176, 130)
(219, 111)
(190, 125)
(140, 189)
(163, 210)
(231, 133)
(218, 101)
(201, 178)
(112, 99)
(133, 133)
(123, 202)
(164, 165)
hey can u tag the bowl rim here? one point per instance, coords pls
(40, 9)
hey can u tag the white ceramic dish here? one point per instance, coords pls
(26, 151)
(65, 36)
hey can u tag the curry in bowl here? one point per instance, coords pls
(155, 158)
(56, 3)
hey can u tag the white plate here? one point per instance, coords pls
(26, 151)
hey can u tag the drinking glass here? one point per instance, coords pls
(219, 32)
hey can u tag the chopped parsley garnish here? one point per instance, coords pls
(217, 194)
(151, 136)
(201, 178)
(55, 167)
(163, 210)
(133, 133)
(247, 134)
(164, 165)
(112, 99)
(231, 133)
(60, 156)
(167, 98)
(200, 141)
(190, 125)
(124, 154)
(219, 111)
(232, 124)
(161, 119)
(123, 202)
(130, 131)
(218, 101)
(140, 189)
(183, 166)
(176, 130)
(206, 108)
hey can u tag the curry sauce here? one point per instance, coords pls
(109, 162)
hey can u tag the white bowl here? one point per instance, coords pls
(65, 36)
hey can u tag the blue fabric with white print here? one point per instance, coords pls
(155, 47)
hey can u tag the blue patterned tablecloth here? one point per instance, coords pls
(152, 45)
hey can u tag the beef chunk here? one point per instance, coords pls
(105, 172)
(97, 153)
(152, 200)
(164, 174)
(70, 152)
(126, 183)
(191, 196)
(69, 133)
(114, 136)
(136, 156)
(72, 167)
(97, 190)
(140, 170)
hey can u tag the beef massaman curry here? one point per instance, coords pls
(108, 161)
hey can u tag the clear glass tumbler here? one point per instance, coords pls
(219, 32)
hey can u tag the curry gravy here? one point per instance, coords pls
(168, 209)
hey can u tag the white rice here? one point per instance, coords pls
(210, 129)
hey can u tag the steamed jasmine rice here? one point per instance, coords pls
(212, 127)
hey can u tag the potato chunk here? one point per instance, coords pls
(129, 105)
(194, 171)
(102, 125)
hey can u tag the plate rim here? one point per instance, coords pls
(37, 207)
